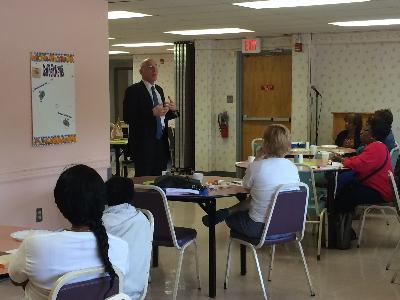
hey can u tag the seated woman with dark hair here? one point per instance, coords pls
(387, 116)
(123, 220)
(42, 259)
(263, 177)
(371, 168)
(350, 137)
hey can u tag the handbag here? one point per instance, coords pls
(176, 181)
(344, 220)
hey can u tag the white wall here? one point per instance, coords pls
(28, 174)
(357, 72)
(216, 76)
(166, 71)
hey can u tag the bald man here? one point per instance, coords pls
(147, 114)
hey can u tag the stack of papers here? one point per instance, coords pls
(177, 192)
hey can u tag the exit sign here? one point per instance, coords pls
(251, 46)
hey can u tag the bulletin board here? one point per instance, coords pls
(53, 98)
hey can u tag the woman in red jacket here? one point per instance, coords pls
(371, 168)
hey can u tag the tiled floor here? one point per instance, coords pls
(352, 274)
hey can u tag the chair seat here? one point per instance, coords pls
(269, 240)
(183, 236)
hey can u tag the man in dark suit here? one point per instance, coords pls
(147, 113)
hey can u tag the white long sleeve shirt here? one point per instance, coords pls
(43, 258)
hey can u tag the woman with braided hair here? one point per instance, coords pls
(42, 259)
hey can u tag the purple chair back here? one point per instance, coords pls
(288, 211)
(153, 199)
(94, 289)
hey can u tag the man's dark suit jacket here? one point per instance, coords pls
(138, 113)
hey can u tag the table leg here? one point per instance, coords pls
(212, 268)
(330, 208)
(243, 264)
(155, 256)
(117, 166)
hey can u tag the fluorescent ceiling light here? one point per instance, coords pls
(123, 14)
(170, 49)
(110, 38)
(383, 22)
(117, 52)
(209, 31)
(139, 45)
(292, 3)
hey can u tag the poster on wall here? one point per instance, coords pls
(53, 98)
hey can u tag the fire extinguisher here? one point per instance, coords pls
(223, 119)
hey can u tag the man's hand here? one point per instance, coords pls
(170, 104)
(159, 110)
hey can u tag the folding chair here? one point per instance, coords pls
(384, 207)
(93, 289)
(397, 207)
(150, 217)
(394, 155)
(154, 199)
(317, 213)
(285, 223)
(255, 144)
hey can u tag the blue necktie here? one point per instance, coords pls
(159, 130)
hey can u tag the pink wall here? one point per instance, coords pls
(28, 174)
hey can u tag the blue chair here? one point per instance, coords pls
(255, 144)
(397, 207)
(394, 155)
(284, 223)
(92, 289)
(166, 234)
(317, 213)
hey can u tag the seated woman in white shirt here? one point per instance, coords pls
(42, 259)
(269, 170)
(123, 220)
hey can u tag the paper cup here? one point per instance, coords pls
(324, 157)
(313, 149)
(198, 176)
(298, 158)
(250, 159)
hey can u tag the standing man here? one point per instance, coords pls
(147, 113)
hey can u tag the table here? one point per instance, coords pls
(7, 243)
(208, 204)
(307, 152)
(119, 145)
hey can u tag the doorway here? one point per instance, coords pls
(266, 83)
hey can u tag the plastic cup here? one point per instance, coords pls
(324, 157)
(198, 176)
(251, 158)
(313, 149)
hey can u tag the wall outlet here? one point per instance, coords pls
(39, 214)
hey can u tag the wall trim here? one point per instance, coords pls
(9, 175)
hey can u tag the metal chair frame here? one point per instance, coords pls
(397, 207)
(255, 142)
(321, 215)
(68, 277)
(254, 248)
(181, 250)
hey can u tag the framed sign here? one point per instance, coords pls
(53, 98)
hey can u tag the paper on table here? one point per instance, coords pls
(176, 191)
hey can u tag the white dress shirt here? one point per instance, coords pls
(148, 86)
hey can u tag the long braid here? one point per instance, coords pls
(80, 196)
(100, 233)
